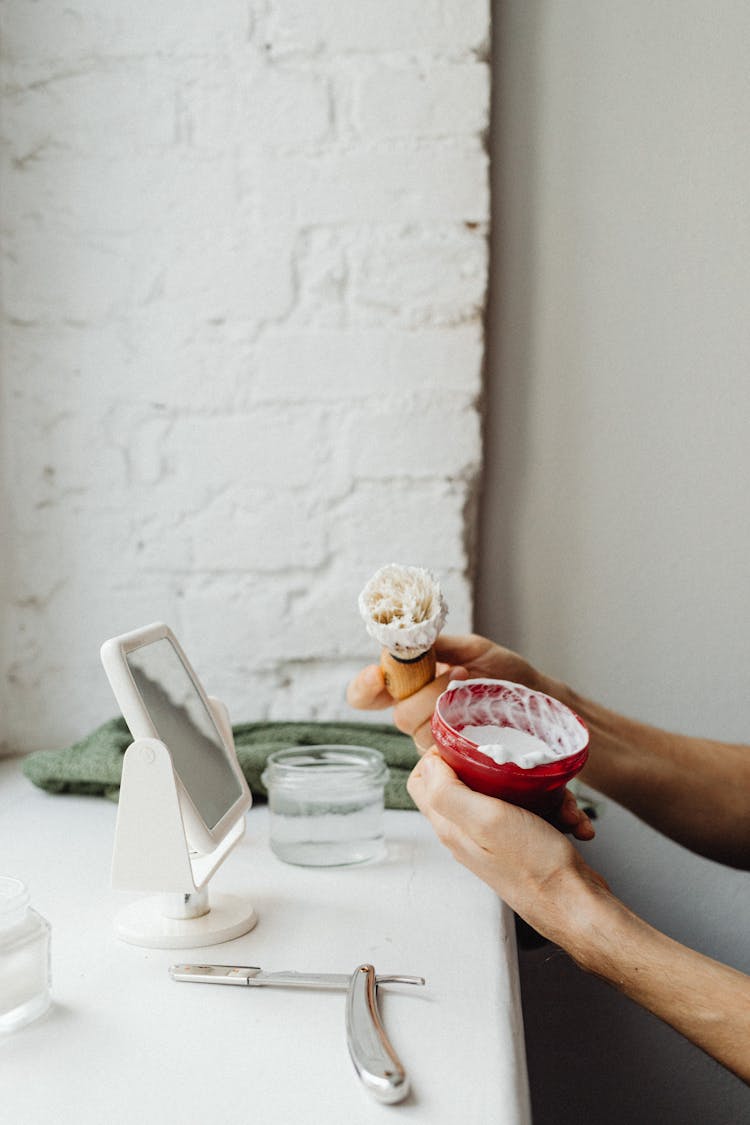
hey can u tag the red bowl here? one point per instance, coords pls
(500, 703)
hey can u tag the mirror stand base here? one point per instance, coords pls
(144, 923)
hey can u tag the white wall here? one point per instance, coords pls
(615, 530)
(244, 272)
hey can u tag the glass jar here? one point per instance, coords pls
(24, 957)
(326, 804)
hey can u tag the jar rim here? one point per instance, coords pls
(324, 763)
(14, 895)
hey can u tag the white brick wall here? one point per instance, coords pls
(244, 272)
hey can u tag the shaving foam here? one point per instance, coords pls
(505, 744)
(403, 609)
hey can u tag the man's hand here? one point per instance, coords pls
(525, 860)
(541, 876)
(459, 658)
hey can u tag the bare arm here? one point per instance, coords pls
(694, 790)
(697, 791)
(538, 872)
(707, 1002)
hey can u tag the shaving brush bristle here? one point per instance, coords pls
(403, 608)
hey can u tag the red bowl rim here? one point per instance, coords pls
(464, 747)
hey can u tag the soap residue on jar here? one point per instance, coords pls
(506, 744)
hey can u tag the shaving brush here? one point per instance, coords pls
(403, 608)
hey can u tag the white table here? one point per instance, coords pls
(124, 1043)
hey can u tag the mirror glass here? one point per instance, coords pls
(186, 727)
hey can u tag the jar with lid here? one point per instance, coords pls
(24, 957)
(326, 804)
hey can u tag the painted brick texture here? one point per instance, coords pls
(244, 261)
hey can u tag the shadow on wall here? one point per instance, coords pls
(510, 306)
(594, 1051)
(579, 1070)
(594, 1057)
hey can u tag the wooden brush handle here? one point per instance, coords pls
(404, 677)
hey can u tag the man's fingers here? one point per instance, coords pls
(435, 789)
(451, 834)
(413, 714)
(584, 830)
(480, 820)
(423, 737)
(426, 778)
(461, 649)
(570, 818)
(367, 691)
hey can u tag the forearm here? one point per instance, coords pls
(707, 1002)
(694, 790)
(539, 874)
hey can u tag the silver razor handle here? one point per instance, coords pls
(375, 1061)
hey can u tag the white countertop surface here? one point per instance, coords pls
(124, 1043)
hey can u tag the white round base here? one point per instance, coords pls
(143, 923)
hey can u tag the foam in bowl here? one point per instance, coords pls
(506, 740)
(493, 705)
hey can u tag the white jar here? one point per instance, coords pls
(24, 957)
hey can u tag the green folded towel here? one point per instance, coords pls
(94, 765)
